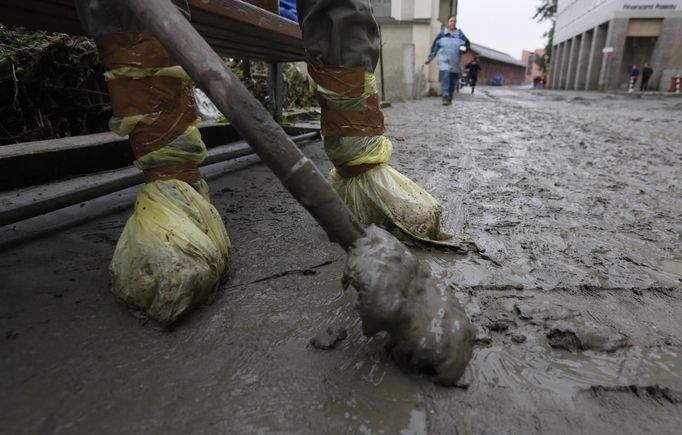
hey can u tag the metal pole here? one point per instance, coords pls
(381, 64)
(275, 91)
(47, 205)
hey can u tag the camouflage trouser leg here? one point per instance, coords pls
(340, 32)
(102, 17)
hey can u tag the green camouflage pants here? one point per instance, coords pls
(102, 17)
(340, 32)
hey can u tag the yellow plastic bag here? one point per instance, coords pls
(174, 249)
(387, 198)
(172, 253)
(382, 195)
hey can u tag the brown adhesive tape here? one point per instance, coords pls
(187, 172)
(166, 103)
(131, 97)
(355, 170)
(343, 123)
(349, 82)
(132, 49)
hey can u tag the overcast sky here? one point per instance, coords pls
(503, 25)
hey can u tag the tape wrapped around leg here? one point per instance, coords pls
(174, 249)
(353, 126)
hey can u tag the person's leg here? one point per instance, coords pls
(446, 86)
(340, 32)
(102, 17)
(454, 83)
(175, 232)
(341, 39)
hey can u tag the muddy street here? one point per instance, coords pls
(572, 198)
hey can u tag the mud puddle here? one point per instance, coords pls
(518, 347)
(536, 367)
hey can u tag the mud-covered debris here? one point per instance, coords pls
(575, 336)
(329, 338)
(473, 307)
(482, 335)
(540, 314)
(525, 310)
(399, 294)
(656, 392)
(501, 325)
(518, 338)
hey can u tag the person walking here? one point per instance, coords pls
(448, 48)
(647, 72)
(634, 73)
(474, 68)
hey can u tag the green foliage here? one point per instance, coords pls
(546, 12)
(51, 86)
(297, 90)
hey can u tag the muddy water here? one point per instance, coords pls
(577, 195)
(537, 367)
(571, 235)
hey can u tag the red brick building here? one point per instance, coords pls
(528, 59)
(493, 62)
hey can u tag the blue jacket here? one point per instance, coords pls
(446, 48)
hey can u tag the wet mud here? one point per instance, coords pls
(329, 338)
(398, 294)
(572, 197)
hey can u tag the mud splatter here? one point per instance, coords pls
(576, 336)
(329, 338)
(399, 294)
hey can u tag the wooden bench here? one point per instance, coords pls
(234, 28)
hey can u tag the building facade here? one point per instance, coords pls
(532, 69)
(408, 28)
(596, 43)
(496, 67)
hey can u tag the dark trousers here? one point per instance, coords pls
(644, 86)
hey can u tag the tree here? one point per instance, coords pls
(546, 12)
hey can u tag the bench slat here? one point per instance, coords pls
(232, 27)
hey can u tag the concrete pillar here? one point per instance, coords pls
(666, 59)
(583, 57)
(572, 62)
(562, 66)
(611, 77)
(596, 58)
(554, 69)
(408, 71)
